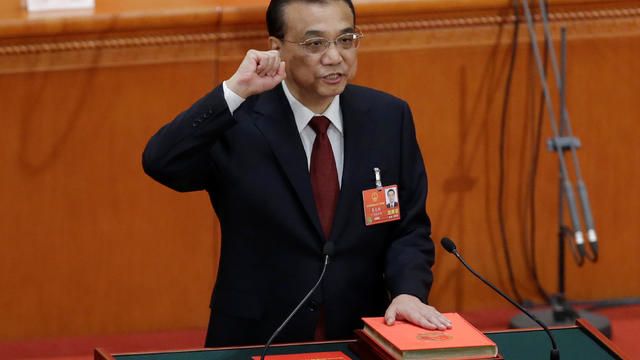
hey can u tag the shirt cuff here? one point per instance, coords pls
(233, 100)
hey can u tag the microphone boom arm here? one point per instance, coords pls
(304, 300)
(449, 246)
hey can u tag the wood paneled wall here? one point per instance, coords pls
(93, 246)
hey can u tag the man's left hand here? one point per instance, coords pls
(410, 308)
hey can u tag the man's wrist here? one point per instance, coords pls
(232, 98)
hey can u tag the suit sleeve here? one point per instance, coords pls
(411, 251)
(178, 154)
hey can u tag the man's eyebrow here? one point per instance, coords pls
(321, 33)
(313, 33)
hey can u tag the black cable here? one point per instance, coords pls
(532, 182)
(304, 300)
(503, 123)
(575, 252)
(450, 247)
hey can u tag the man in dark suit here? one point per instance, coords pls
(391, 198)
(285, 163)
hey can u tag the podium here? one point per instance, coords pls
(580, 342)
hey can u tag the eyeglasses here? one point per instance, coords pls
(318, 45)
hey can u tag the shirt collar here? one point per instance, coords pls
(303, 114)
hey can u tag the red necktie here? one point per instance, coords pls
(324, 176)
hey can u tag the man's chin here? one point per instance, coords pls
(333, 90)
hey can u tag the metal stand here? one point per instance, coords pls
(561, 313)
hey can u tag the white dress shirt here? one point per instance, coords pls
(302, 116)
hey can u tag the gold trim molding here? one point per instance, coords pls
(498, 20)
(142, 41)
(22, 57)
(126, 42)
(132, 42)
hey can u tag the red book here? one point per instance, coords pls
(403, 340)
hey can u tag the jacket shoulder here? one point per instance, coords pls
(372, 96)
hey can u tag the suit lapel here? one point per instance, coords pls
(278, 126)
(358, 129)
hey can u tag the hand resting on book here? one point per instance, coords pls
(410, 308)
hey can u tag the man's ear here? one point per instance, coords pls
(275, 43)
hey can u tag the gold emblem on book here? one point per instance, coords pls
(433, 336)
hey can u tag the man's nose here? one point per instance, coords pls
(332, 55)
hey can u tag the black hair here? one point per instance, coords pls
(275, 14)
(390, 190)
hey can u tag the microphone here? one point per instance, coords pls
(575, 218)
(588, 219)
(327, 251)
(448, 245)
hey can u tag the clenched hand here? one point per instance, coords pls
(259, 71)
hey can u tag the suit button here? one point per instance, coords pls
(205, 115)
(313, 305)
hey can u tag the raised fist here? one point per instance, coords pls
(259, 71)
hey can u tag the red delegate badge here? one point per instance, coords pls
(381, 205)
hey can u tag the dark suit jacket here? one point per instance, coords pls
(254, 168)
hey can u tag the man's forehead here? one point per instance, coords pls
(317, 6)
(318, 19)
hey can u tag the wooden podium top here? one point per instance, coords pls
(581, 341)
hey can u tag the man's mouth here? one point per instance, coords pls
(333, 78)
